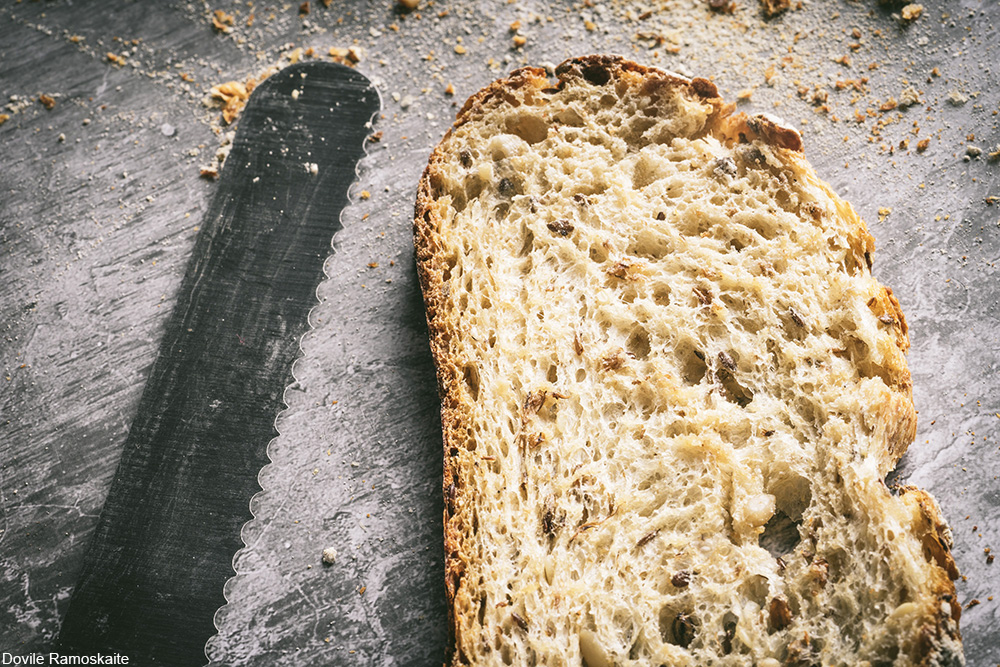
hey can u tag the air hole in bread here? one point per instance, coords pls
(449, 266)
(553, 374)
(851, 264)
(598, 253)
(627, 292)
(693, 366)
(528, 241)
(649, 481)
(482, 609)
(458, 200)
(596, 75)
(765, 225)
(549, 570)
(635, 127)
(661, 294)
(638, 344)
(749, 324)
(473, 187)
(728, 634)
(645, 400)
(794, 324)
(638, 649)
(569, 116)
(529, 127)
(755, 588)
(509, 186)
(648, 169)
(732, 302)
(733, 390)
(785, 201)
(471, 374)
(792, 493)
(678, 626)
(860, 355)
(693, 224)
(780, 536)
(837, 566)
(650, 244)
(625, 625)
(592, 654)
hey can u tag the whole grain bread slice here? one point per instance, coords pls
(671, 390)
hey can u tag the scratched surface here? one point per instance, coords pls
(97, 228)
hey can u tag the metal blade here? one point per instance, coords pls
(154, 573)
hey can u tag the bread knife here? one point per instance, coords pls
(162, 551)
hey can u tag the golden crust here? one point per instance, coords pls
(899, 419)
(943, 610)
(765, 128)
(430, 269)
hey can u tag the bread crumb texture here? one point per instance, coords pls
(671, 390)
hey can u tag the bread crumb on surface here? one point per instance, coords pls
(911, 12)
(222, 22)
(329, 556)
(957, 98)
(775, 7)
(232, 96)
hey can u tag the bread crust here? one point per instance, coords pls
(940, 641)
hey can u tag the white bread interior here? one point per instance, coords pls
(671, 390)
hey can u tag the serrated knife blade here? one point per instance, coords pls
(154, 573)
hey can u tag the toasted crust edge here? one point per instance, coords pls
(940, 641)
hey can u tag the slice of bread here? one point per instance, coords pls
(671, 390)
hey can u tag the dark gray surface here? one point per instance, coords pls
(88, 273)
